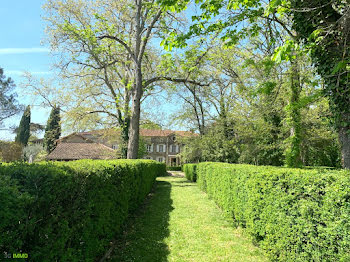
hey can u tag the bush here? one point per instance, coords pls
(70, 211)
(41, 156)
(173, 168)
(190, 171)
(10, 151)
(32, 150)
(294, 214)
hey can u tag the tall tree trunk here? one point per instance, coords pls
(293, 158)
(134, 130)
(344, 138)
(223, 118)
(125, 138)
(125, 123)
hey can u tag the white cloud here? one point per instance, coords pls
(13, 51)
(20, 73)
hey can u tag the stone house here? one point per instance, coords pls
(161, 145)
(164, 145)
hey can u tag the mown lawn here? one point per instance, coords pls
(180, 223)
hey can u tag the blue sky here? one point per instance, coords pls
(21, 49)
(22, 32)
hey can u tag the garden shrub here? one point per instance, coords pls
(190, 171)
(294, 214)
(10, 151)
(173, 168)
(70, 211)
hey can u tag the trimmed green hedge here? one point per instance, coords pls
(173, 168)
(70, 211)
(294, 214)
(190, 171)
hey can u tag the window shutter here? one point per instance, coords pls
(157, 148)
(177, 148)
(151, 147)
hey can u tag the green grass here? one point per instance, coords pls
(180, 223)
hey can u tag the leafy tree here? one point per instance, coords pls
(210, 64)
(10, 151)
(320, 145)
(41, 156)
(8, 103)
(258, 121)
(53, 129)
(191, 63)
(148, 124)
(112, 41)
(214, 145)
(218, 145)
(85, 100)
(23, 133)
(142, 148)
(321, 27)
(34, 129)
(192, 151)
(31, 151)
(324, 27)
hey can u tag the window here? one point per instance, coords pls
(174, 148)
(160, 159)
(115, 147)
(148, 157)
(161, 149)
(149, 148)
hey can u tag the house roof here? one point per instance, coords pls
(75, 151)
(143, 132)
(155, 132)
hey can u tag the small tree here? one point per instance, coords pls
(8, 103)
(31, 151)
(142, 151)
(24, 128)
(10, 151)
(53, 129)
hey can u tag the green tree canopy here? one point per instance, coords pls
(8, 103)
(24, 128)
(324, 28)
(53, 129)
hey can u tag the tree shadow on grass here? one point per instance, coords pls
(184, 183)
(143, 239)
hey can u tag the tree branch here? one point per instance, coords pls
(120, 42)
(148, 33)
(175, 80)
(101, 111)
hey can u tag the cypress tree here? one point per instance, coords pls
(23, 132)
(53, 129)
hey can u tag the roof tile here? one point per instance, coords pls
(74, 151)
(143, 132)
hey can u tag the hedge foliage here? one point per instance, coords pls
(173, 168)
(69, 211)
(190, 171)
(294, 214)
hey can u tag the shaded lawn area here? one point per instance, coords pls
(180, 223)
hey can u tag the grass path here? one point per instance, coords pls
(180, 223)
